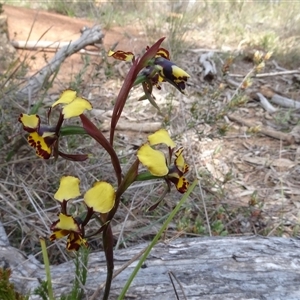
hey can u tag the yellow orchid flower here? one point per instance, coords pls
(41, 138)
(99, 199)
(74, 105)
(157, 164)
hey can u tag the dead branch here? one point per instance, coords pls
(133, 126)
(209, 68)
(29, 45)
(269, 132)
(48, 46)
(210, 50)
(266, 104)
(89, 36)
(262, 75)
(232, 82)
(278, 99)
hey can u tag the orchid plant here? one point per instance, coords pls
(102, 199)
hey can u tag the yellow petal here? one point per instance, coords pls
(67, 223)
(179, 73)
(76, 108)
(68, 188)
(66, 97)
(39, 144)
(154, 160)
(30, 121)
(161, 137)
(101, 197)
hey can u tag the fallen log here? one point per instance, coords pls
(207, 268)
(48, 46)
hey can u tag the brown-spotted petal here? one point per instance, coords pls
(121, 55)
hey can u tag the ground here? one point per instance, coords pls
(249, 182)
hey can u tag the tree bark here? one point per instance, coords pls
(206, 268)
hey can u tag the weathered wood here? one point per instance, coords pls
(48, 46)
(207, 268)
(266, 104)
(278, 99)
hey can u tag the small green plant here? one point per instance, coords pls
(7, 289)
(218, 228)
(81, 270)
(63, 8)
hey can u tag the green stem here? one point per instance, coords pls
(156, 238)
(71, 130)
(139, 79)
(146, 176)
(47, 269)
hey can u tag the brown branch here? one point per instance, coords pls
(269, 132)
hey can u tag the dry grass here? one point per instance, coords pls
(234, 196)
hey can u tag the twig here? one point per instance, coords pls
(209, 50)
(48, 45)
(179, 283)
(232, 82)
(269, 132)
(133, 126)
(35, 83)
(266, 104)
(262, 75)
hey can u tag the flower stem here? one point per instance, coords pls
(47, 268)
